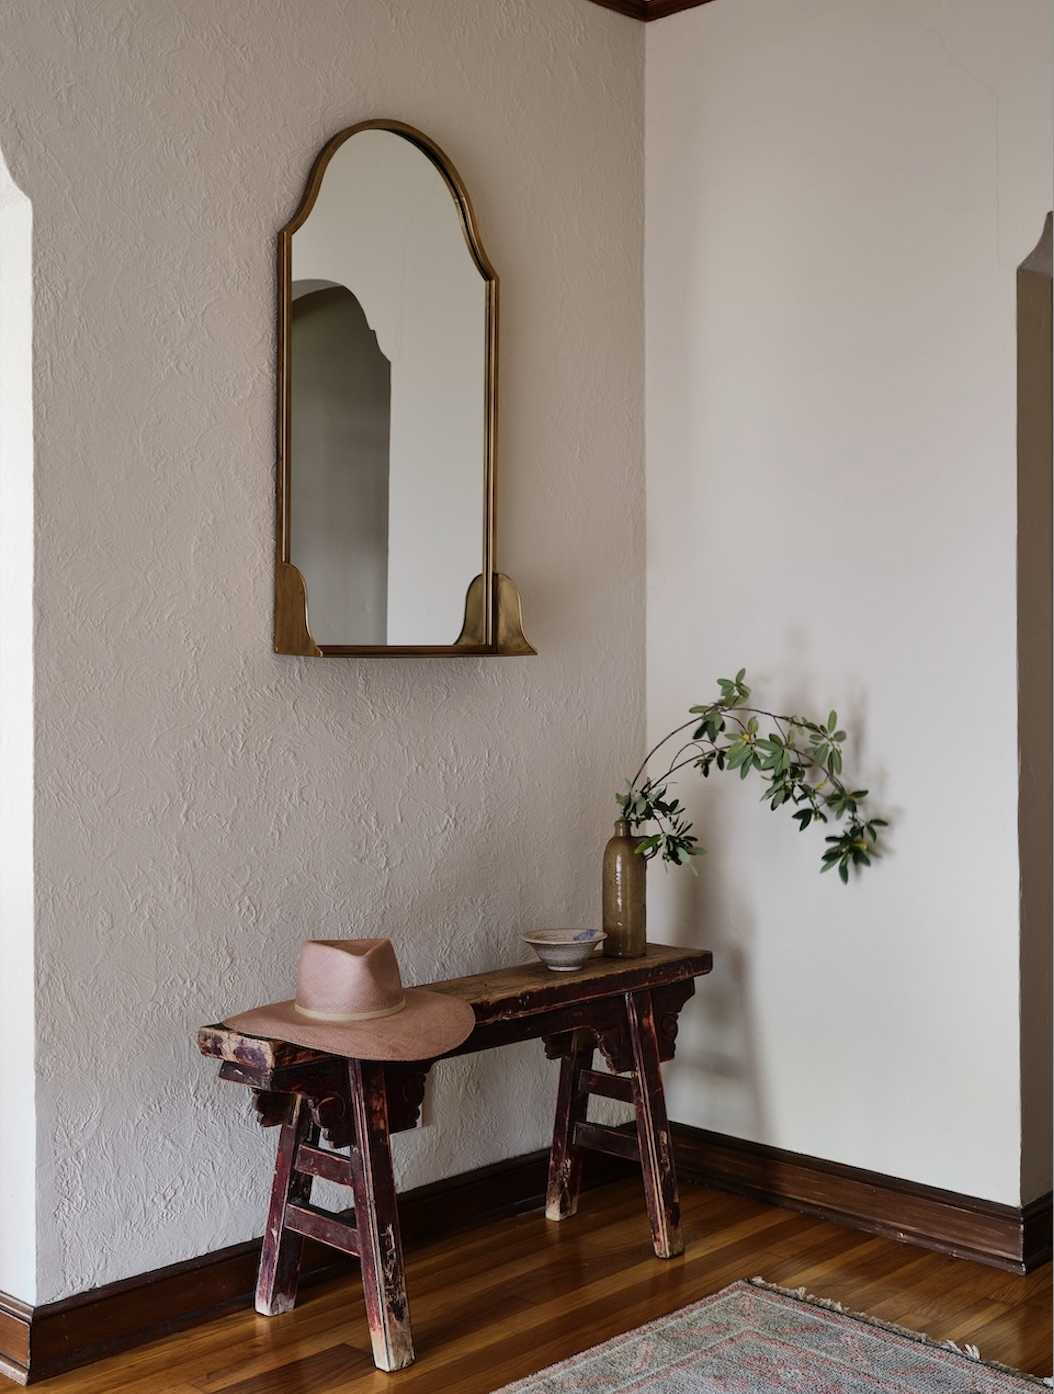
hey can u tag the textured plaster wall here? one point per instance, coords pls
(201, 804)
(838, 197)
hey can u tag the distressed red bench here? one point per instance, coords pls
(626, 1008)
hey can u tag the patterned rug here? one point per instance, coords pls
(752, 1338)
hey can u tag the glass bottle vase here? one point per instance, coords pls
(624, 907)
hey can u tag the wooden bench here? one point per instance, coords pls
(626, 1008)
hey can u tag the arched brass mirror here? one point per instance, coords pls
(386, 410)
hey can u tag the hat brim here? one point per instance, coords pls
(429, 1025)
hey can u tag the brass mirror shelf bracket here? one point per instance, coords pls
(292, 632)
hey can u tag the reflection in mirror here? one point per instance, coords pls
(340, 389)
(386, 410)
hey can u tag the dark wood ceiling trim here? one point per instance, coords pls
(649, 9)
(636, 9)
(659, 9)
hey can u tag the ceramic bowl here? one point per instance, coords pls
(564, 950)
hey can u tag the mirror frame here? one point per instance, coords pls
(493, 622)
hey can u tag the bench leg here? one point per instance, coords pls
(377, 1219)
(565, 1159)
(279, 1271)
(653, 1129)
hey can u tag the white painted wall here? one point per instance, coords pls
(17, 1091)
(837, 198)
(203, 805)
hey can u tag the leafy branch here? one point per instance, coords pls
(799, 760)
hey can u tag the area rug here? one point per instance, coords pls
(752, 1338)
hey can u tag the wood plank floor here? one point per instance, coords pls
(506, 1299)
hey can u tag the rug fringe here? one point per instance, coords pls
(971, 1352)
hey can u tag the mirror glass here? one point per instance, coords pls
(387, 327)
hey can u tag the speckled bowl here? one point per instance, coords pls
(564, 950)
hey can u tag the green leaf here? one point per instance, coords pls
(807, 779)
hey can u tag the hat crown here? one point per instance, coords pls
(348, 979)
(350, 1001)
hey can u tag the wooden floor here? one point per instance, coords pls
(507, 1299)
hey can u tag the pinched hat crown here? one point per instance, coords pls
(348, 980)
(350, 1001)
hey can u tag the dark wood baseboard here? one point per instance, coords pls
(1003, 1236)
(38, 1342)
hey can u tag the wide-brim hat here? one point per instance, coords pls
(350, 1000)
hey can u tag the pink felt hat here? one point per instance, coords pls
(350, 1000)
